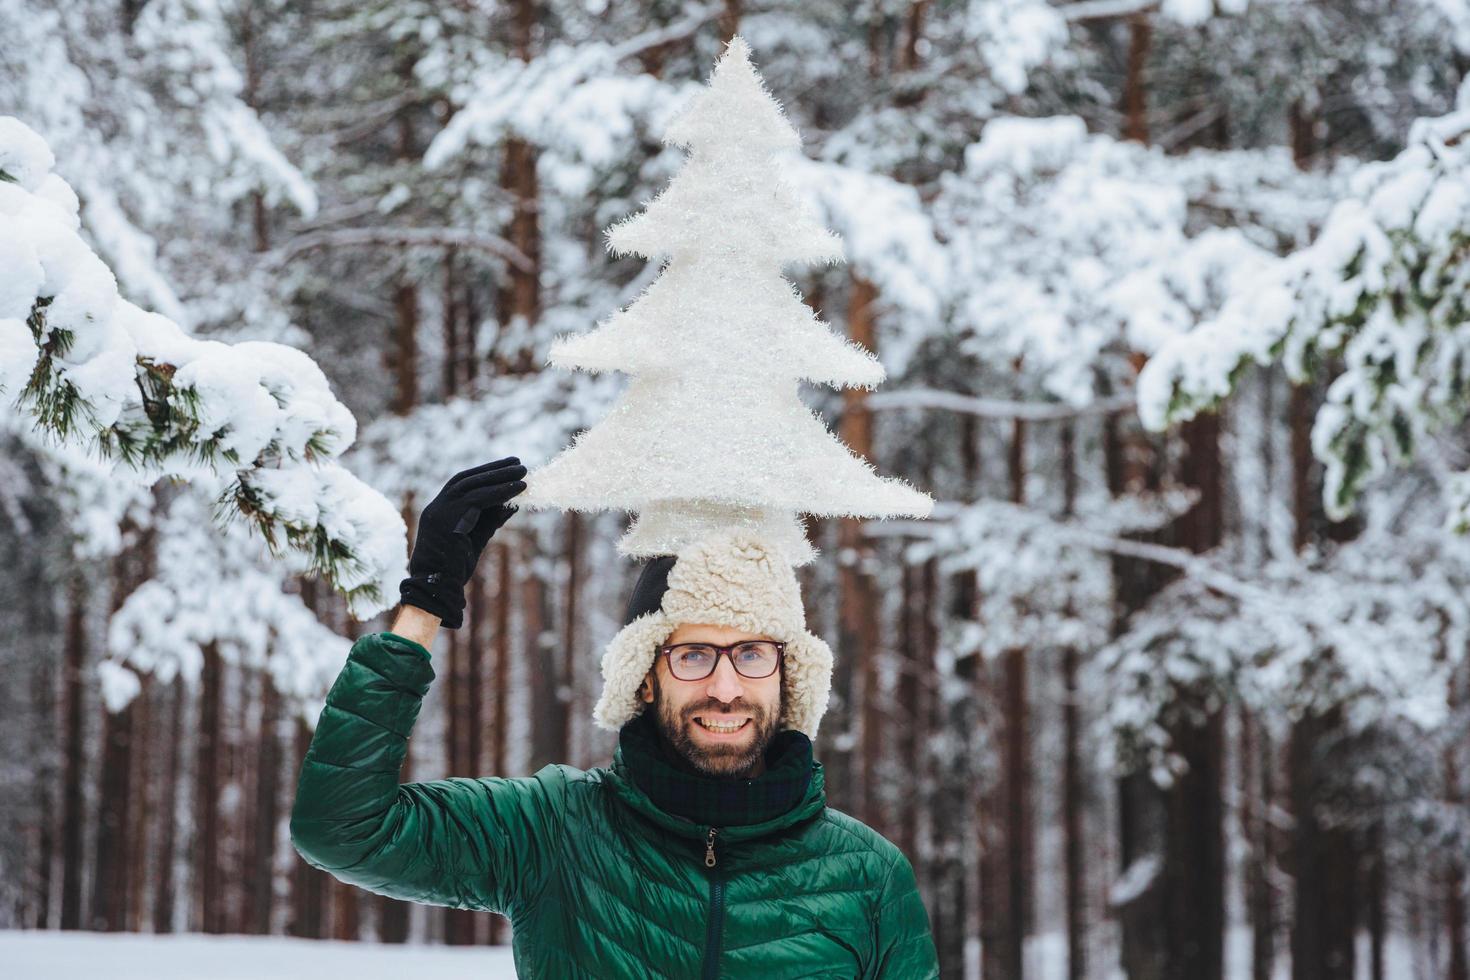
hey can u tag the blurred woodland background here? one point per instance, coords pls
(1173, 700)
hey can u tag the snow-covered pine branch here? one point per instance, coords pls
(1378, 302)
(1014, 37)
(89, 366)
(1074, 252)
(574, 101)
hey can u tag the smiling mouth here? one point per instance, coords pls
(721, 727)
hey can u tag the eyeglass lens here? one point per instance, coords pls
(696, 661)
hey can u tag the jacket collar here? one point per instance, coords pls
(620, 781)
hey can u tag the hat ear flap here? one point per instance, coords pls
(806, 683)
(648, 593)
(625, 663)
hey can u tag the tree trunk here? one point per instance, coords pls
(1377, 913)
(1322, 859)
(500, 674)
(954, 888)
(908, 749)
(504, 581)
(43, 701)
(72, 819)
(1017, 813)
(520, 298)
(1459, 967)
(1195, 852)
(729, 20)
(1306, 501)
(1019, 870)
(1454, 878)
(470, 335)
(858, 637)
(308, 884)
(1302, 124)
(267, 809)
(456, 331)
(115, 828)
(1255, 755)
(996, 952)
(237, 710)
(208, 900)
(163, 885)
(1135, 80)
(1074, 799)
(403, 355)
(346, 921)
(476, 926)
(570, 609)
(1143, 949)
(462, 694)
(1173, 924)
(908, 57)
(1194, 874)
(1143, 914)
(548, 724)
(459, 924)
(1074, 802)
(110, 881)
(474, 761)
(141, 803)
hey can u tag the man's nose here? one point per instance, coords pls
(724, 683)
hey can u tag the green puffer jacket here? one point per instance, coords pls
(597, 881)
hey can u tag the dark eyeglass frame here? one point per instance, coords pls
(728, 652)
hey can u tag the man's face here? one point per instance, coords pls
(723, 697)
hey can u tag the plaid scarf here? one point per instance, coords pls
(677, 787)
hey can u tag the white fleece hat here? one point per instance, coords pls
(728, 578)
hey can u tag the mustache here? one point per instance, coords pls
(712, 707)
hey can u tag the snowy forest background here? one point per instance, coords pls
(1170, 294)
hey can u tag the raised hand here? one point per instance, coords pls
(452, 533)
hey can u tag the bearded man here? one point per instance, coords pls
(705, 850)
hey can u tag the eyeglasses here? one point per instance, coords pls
(752, 659)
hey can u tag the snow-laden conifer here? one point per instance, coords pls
(1377, 302)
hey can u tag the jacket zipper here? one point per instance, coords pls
(716, 910)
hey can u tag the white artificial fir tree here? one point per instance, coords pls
(711, 431)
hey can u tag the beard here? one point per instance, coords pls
(731, 760)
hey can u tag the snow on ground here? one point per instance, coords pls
(54, 955)
(33, 955)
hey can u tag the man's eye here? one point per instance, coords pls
(695, 655)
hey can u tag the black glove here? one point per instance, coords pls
(453, 531)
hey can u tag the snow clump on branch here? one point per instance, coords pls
(89, 366)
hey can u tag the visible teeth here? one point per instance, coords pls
(716, 726)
